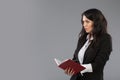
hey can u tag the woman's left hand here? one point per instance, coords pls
(69, 71)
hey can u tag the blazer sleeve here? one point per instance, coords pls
(80, 43)
(102, 56)
(76, 51)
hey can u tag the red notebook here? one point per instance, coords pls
(69, 64)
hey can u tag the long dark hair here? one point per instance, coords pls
(100, 23)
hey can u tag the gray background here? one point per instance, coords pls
(34, 32)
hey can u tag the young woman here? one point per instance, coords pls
(93, 48)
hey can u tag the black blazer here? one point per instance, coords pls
(96, 55)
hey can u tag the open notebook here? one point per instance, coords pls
(68, 63)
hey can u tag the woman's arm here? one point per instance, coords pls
(103, 54)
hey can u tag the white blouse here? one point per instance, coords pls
(81, 55)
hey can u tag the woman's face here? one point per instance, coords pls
(87, 24)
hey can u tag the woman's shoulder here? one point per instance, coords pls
(105, 36)
(106, 41)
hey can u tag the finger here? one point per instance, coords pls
(66, 71)
(72, 72)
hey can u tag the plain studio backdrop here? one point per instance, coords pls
(34, 32)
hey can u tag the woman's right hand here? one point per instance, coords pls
(69, 71)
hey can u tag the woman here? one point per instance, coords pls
(93, 48)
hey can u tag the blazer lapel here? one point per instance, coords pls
(90, 53)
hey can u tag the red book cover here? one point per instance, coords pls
(70, 64)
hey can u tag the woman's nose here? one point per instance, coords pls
(84, 24)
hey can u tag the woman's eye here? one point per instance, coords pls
(87, 21)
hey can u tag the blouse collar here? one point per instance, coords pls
(91, 38)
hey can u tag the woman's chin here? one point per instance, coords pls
(87, 32)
